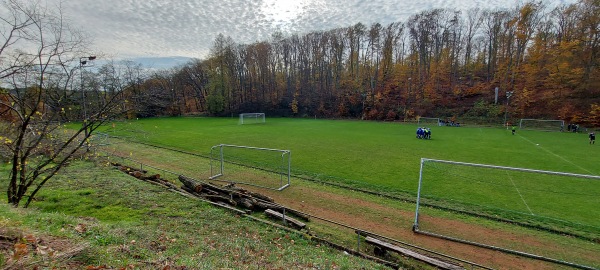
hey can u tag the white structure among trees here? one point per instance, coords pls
(251, 118)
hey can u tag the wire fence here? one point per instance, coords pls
(344, 242)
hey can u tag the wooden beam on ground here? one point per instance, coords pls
(412, 254)
(278, 215)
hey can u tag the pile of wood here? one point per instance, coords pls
(142, 175)
(229, 195)
(238, 197)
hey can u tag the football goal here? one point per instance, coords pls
(540, 124)
(254, 166)
(251, 118)
(557, 203)
(428, 121)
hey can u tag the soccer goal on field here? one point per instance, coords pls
(255, 166)
(540, 124)
(428, 121)
(556, 202)
(251, 118)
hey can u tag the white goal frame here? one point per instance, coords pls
(251, 118)
(437, 123)
(561, 126)
(216, 153)
(416, 229)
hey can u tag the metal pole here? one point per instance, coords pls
(289, 166)
(416, 225)
(83, 97)
(222, 160)
(82, 62)
(357, 241)
(508, 95)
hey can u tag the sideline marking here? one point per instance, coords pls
(520, 195)
(591, 173)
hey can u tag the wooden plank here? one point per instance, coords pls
(276, 214)
(412, 254)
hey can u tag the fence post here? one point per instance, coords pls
(358, 241)
(284, 221)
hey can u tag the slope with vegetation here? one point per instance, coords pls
(94, 216)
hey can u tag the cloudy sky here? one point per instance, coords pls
(158, 28)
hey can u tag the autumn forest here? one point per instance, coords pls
(439, 63)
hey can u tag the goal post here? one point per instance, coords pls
(251, 118)
(428, 121)
(557, 203)
(255, 166)
(542, 124)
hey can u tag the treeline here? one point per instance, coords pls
(438, 63)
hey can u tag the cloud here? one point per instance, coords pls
(188, 27)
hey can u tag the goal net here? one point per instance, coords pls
(560, 204)
(428, 121)
(540, 124)
(255, 166)
(251, 118)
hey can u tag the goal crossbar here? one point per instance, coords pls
(416, 228)
(216, 152)
(255, 117)
(543, 124)
(435, 120)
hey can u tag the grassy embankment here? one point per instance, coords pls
(92, 215)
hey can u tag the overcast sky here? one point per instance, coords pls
(134, 28)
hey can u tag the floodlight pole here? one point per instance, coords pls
(82, 63)
(508, 95)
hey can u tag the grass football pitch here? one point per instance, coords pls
(385, 156)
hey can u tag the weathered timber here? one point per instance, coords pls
(188, 190)
(190, 183)
(294, 222)
(245, 202)
(219, 198)
(151, 177)
(250, 193)
(125, 168)
(412, 254)
(274, 206)
(168, 184)
(260, 196)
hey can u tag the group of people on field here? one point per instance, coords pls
(423, 133)
(573, 128)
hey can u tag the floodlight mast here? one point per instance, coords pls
(83, 62)
(508, 95)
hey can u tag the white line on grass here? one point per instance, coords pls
(520, 195)
(558, 156)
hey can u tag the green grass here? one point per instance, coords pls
(386, 156)
(129, 223)
(382, 153)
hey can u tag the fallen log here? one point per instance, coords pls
(260, 196)
(125, 168)
(190, 183)
(253, 194)
(274, 206)
(151, 177)
(245, 202)
(294, 222)
(188, 190)
(168, 184)
(412, 254)
(219, 198)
